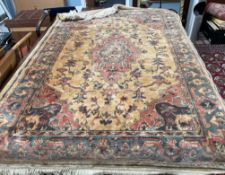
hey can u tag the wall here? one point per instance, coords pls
(77, 3)
(129, 2)
(73, 2)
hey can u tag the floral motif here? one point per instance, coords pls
(114, 56)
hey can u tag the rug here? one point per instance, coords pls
(127, 89)
(214, 59)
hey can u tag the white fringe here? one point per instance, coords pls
(94, 170)
(93, 14)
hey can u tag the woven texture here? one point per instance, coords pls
(125, 89)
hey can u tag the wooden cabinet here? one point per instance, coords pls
(37, 4)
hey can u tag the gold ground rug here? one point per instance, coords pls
(127, 89)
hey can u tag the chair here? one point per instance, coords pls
(14, 56)
(52, 13)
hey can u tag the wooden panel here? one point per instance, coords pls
(9, 61)
(37, 4)
(90, 3)
(27, 18)
(7, 64)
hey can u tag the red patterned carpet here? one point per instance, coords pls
(214, 58)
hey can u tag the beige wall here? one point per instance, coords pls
(36, 4)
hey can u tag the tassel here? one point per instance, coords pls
(91, 170)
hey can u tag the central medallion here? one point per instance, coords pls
(114, 56)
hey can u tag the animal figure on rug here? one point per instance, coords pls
(169, 113)
(38, 118)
